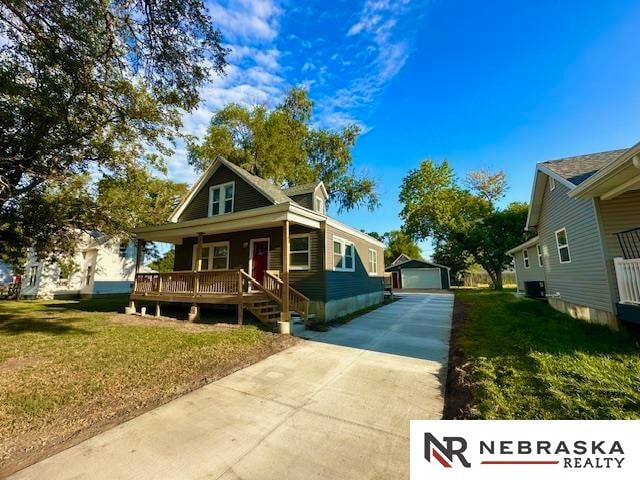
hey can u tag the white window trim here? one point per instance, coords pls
(308, 265)
(211, 245)
(567, 245)
(525, 258)
(539, 250)
(344, 243)
(221, 202)
(373, 271)
(552, 184)
(320, 205)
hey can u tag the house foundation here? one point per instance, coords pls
(586, 314)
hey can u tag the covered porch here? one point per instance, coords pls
(238, 259)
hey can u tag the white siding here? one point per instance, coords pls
(533, 273)
(584, 280)
(110, 272)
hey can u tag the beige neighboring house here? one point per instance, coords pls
(586, 213)
(102, 266)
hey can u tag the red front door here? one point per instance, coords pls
(259, 259)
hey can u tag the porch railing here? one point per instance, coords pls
(630, 243)
(228, 282)
(628, 278)
(188, 283)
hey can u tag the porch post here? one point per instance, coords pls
(198, 265)
(139, 255)
(285, 314)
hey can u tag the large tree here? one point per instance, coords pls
(91, 89)
(283, 146)
(398, 243)
(462, 217)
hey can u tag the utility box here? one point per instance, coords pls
(534, 289)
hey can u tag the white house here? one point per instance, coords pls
(101, 266)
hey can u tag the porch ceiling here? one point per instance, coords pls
(265, 217)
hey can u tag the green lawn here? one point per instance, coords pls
(69, 367)
(524, 360)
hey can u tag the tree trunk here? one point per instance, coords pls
(497, 280)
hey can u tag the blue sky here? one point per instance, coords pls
(498, 85)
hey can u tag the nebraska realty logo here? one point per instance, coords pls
(528, 449)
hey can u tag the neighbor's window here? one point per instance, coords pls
(221, 199)
(299, 252)
(124, 245)
(87, 279)
(320, 205)
(33, 275)
(525, 253)
(214, 256)
(373, 261)
(563, 246)
(540, 261)
(552, 183)
(343, 255)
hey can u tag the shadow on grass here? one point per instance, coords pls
(17, 325)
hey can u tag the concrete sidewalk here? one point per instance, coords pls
(335, 406)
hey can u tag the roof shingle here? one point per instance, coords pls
(579, 168)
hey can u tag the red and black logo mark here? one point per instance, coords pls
(444, 453)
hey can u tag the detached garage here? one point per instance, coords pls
(407, 273)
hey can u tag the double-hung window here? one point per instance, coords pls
(299, 252)
(320, 205)
(221, 199)
(562, 242)
(525, 253)
(214, 256)
(373, 261)
(33, 275)
(343, 253)
(540, 260)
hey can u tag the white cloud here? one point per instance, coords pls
(246, 19)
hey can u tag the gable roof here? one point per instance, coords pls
(579, 168)
(401, 259)
(406, 259)
(305, 189)
(271, 192)
(570, 172)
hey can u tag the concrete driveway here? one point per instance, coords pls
(335, 406)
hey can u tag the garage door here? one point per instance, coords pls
(421, 278)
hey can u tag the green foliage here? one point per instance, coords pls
(398, 243)
(464, 224)
(90, 87)
(164, 263)
(282, 146)
(489, 239)
(434, 205)
(524, 360)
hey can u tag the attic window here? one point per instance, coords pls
(221, 199)
(319, 205)
(552, 184)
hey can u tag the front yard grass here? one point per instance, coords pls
(523, 360)
(70, 369)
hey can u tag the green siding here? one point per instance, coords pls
(308, 282)
(246, 197)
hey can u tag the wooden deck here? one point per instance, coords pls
(230, 287)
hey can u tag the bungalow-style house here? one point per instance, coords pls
(408, 273)
(241, 240)
(100, 266)
(585, 211)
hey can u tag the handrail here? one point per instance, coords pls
(255, 283)
(291, 289)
